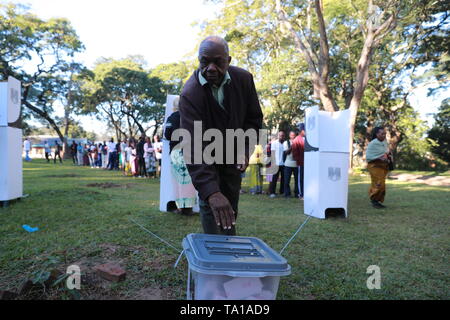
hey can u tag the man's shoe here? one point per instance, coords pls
(273, 195)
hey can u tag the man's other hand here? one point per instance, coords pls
(222, 210)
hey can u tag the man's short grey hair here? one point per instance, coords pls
(215, 39)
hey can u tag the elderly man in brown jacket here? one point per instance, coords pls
(222, 97)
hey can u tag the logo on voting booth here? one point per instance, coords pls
(311, 123)
(14, 94)
(334, 174)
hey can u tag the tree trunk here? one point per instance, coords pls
(46, 117)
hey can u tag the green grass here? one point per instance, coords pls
(329, 258)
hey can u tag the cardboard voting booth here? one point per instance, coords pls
(11, 182)
(167, 187)
(327, 155)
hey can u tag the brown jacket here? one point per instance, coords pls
(241, 111)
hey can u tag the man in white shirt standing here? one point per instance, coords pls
(112, 152)
(27, 149)
(277, 149)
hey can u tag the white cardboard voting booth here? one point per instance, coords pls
(11, 183)
(166, 194)
(326, 162)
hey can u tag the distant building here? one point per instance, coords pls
(37, 144)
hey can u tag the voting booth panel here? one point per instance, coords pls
(326, 183)
(11, 182)
(328, 131)
(167, 186)
(326, 162)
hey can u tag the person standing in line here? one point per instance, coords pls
(298, 152)
(123, 154)
(92, 158)
(142, 172)
(73, 152)
(118, 154)
(86, 155)
(80, 153)
(157, 145)
(112, 151)
(27, 149)
(105, 155)
(149, 157)
(48, 151)
(58, 149)
(98, 163)
(133, 158)
(290, 167)
(277, 150)
(254, 167)
(128, 150)
(378, 157)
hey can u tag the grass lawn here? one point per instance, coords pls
(90, 225)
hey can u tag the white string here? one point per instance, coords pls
(292, 238)
(161, 239)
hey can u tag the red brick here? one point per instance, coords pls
(111, 272)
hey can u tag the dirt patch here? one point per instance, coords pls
(441, 181)
(94, 287)
(109, 185)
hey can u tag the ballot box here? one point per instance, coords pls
(232, 268)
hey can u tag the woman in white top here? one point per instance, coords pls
(290, 166)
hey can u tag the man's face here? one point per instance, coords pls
(281, 136)
(214, 62)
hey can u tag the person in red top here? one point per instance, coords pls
(298, 150)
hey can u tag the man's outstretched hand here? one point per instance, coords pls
(222, 210)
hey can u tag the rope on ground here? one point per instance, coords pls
(156, 236)
(293, 237)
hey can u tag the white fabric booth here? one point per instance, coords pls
(167, 186)
(327, 154)
(11, 182)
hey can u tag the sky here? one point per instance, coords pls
(160, 30)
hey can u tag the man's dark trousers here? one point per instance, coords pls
(229, 178)
(273, 184)
(113, 161)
